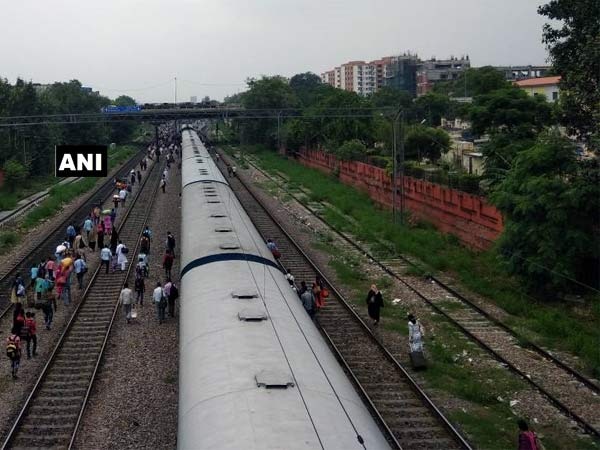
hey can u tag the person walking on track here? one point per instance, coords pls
(13, 351)
(105, 256)
(122, 251)
(374, 303)
(158, 297)
(126, 299)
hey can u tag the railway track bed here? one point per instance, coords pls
(404, 411)
(51, 414)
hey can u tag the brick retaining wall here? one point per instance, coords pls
(469, 217)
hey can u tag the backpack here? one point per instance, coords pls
(124, 250)
(174, 292)
(11, 349)
(20, 290)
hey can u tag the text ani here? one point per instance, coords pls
(83, 162)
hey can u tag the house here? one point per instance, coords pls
(547, 86)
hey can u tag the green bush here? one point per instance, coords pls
(15, 173)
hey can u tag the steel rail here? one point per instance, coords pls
(454, 433)
(12, 434)
(556, 402)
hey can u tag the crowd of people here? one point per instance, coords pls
(51, 280)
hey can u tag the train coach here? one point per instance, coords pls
(254, 372)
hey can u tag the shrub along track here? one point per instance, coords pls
(567, 389)
(404, 411)
(41, 246)
(53, 410)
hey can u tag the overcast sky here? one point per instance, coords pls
(138, 47)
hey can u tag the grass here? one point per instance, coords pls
(10, 198)
(483, 392)
(560, 326)
(58, 196)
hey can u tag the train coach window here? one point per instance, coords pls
(218, 216)
(252, 315)
(213, 201)
(208, 194)
(199, 160)
(274, 379)
(244, 294)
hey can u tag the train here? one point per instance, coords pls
(254, 370)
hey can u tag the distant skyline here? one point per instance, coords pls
(138, 47)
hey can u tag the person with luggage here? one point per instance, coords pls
(121, 252)
(50, 268)
(415, 342)
(374, 303)
(13, 351)
(126, 299)
(528, 440)
(71, 233)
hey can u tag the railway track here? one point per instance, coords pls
(574, 394)
(404, 411)
(9, 216)
(42, 246)
(55, 406)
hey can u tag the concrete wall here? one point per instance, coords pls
(469, 217)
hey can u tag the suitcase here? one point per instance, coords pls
(418, 361)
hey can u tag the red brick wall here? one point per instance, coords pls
(469, 217)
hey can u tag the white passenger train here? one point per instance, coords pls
(254, 372)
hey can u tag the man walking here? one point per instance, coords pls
(126, 299)
(158, 296)
(80, 270)
(105, 256)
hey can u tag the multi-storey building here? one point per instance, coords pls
(436, 70)
(515, 73)
(400, 72)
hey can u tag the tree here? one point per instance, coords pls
(431, 107)
(124, 100)
(550, 203)
(575, 52)
(305, 86)
(14, 173)
(425, 142)
(271, 94)
(473, 82)
(353, 150)
(509, 110)
(389, 96)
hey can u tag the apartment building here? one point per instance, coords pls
(406, 72)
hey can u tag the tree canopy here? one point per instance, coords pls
(575, 53)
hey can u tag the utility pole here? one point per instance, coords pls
(398, 135)
(278, 131)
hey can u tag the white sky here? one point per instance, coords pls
(137, 47)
